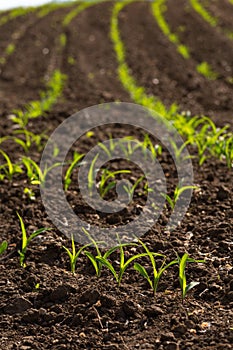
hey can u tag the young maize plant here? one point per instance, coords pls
(26, 240)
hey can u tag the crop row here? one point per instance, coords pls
(102, 258)
(207, 17)
(198, 131)
(159, 9)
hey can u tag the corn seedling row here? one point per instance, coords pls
(187, 126)
(16, 13)
(158, 10)
(207, 17)
(102, 259)
(37, 108)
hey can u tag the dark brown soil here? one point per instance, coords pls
(206, 43)
(34, 58)
(81, 311)
(92, 79)
(158, 59)
(222, 10)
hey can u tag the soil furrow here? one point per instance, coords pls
(222, 10)
(9, 30)
(24, 74)
(158, 67)
(206, 43)
(90, 63)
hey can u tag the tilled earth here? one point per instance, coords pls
(82, 311)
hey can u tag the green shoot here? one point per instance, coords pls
(10, 49)
(105, 176)
(179, 150)
(137, 93)
(34, 173)
(73, 254)
(102, 259)
(3, 247)
(158, 9)
(26, 240)
(206, 70)
(182, 276)
(198, 7)
(67, 179)
(29, 192)
(110, 149)
(123, 264)
(157, 274)
(63, 40)
(91, 174)
(36, 108)
(129, 150)
(177, 193)
(71, 60)
(72, 14)
(9, 168)
(131, 190)
(21, 11)
(93, 259)
(44, 10)
(37, 286)
(154, 150)
(29, 139)
(228, 151)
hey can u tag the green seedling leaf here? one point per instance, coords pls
(143, 272)
(73, 255)
(169, 200)
(157, 274)
(9, 164)
(107, 264)
(105, 149)
(105, 176)
(131, 190)
(182, 276)
(91, 174)
(94, 262)
(26, 240)
(67, 180)
(3, 247)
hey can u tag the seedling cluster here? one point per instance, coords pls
(102, 258)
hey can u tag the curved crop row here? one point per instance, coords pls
(207, 17)
(198, 131)
(42, 11)
(136, 92)
(16, 13)
(56, 82)
(72, 14)
(46, 9)
(49, 97)
(158, 10)
(10, 49)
